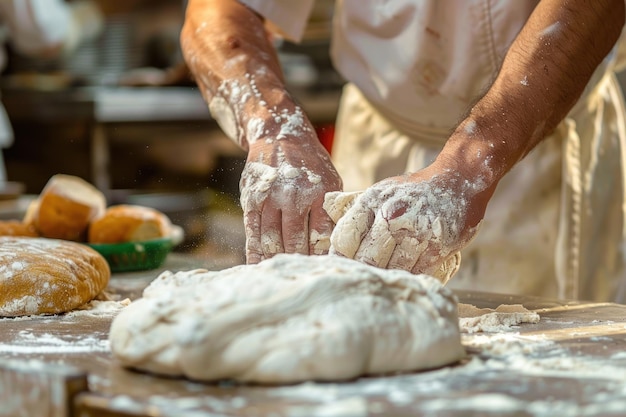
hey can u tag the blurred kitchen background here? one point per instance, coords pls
(120, 113)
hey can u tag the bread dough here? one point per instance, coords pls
(287, 319)
(48, 276)
(337, 203)
(473, 319)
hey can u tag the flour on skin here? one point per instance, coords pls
(241, 103)
(271, 242)
(258, 180)
(251, 109)
(396, 225)
(411, 212)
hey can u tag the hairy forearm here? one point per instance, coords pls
(235, 66)
(542, 76)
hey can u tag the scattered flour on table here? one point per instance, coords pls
(178, 405)
(482, 384)
(503, 318)
(94, 308)
(26, 343)
(99, 308)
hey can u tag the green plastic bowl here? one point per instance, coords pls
(135, 256)
(138, 256)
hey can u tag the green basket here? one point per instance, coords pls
(135, 256)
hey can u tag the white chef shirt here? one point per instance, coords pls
(422, 73)
(421, 63)
(406, 57)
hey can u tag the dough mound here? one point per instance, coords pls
(289, 319)
(337, 203)
(48, 276)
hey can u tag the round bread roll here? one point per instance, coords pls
(31, 211)
(48, 276)
(65, 207)
(129, 223)
(17, 228)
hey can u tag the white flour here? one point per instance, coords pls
(97, 308)
(466, 389)
(28, 343)
(231, 106)
(393, 225)
(501, 319)
(176, 406)
(282, 186)
(271, 178)
(261, 178)
(413, 217)
(94, 308)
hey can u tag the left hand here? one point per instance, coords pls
(282, 192)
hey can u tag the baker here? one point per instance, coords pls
(496, 128)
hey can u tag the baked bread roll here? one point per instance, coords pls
(48, 276)
(129, 223)
(17, 228)
(65, 207)
(31, 211)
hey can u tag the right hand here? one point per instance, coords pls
(414, 222)
(283, 185)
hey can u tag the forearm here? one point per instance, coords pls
(236, 68)
(542, 76)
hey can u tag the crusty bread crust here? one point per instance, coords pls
(66, 206)
(48, 276)
(129, 223)
(17, 228)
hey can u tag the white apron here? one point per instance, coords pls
(554, 227)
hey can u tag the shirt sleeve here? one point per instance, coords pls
(287, 17)
(36, 24)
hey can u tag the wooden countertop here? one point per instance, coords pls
(572, 362)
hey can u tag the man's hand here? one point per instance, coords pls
(288, 171)
(282, 192)
(414, 222)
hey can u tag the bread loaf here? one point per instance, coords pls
(31, 211)
(17, 228)
(48, 276)
(129, 223)
(65, 207)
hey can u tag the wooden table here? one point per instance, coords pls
(573, 362)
